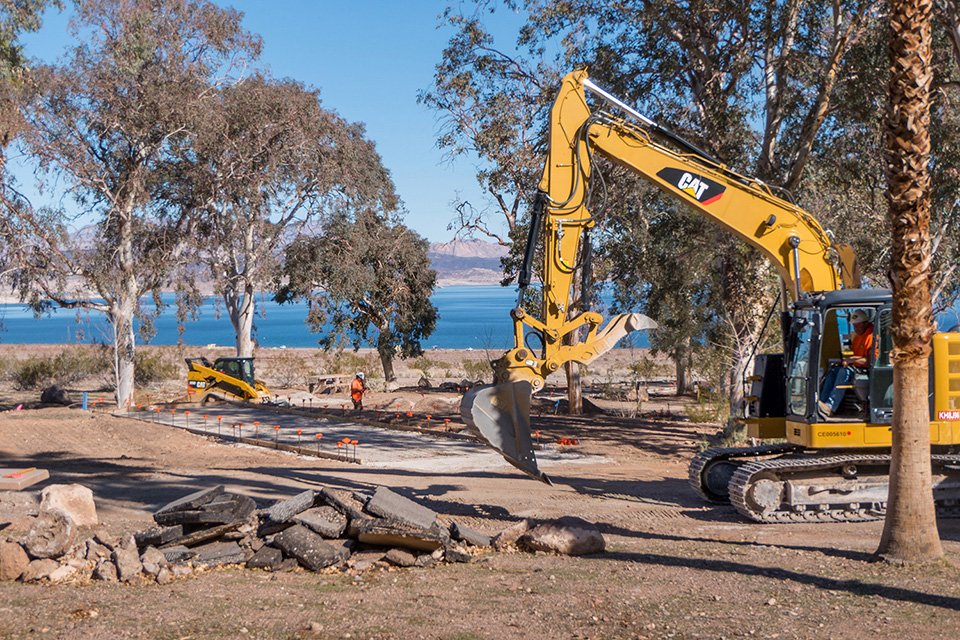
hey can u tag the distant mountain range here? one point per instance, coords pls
(467, 262)
(457, 262)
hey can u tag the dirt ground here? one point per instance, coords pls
(675, 567)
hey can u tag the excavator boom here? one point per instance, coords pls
(804, 255)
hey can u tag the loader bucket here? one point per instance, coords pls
(499, 415)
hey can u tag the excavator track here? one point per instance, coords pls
(712, 469)
(839, 488)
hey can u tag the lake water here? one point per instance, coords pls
(471, 317)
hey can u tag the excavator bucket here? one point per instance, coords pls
(499, 415)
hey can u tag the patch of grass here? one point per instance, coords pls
(477, 369)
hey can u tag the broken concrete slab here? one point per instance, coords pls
(471, 536)
(399, 534)
(266, 558)
(157, 536)
(389, 504)
(51, 535)
(569, 535)
(192, 501)
(284, 510)
(177, 553)
(223, 510)
(310, 550)
(202, 535)
(325, 520)
(344, 502)
(218, 553)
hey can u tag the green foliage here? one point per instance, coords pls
(477, 369)
(151, 367)
(376, 283)
(706, 411)
(66, 368)
(647, 368)
(424, 364)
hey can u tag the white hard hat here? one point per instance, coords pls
(360, 375)
(859, 315)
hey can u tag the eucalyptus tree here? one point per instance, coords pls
(268, 160)
(750, 82)
(368, 282)
(105, 127)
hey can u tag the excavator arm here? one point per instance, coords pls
(804, 255)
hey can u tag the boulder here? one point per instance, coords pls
(39, 570)
(73, 499)
(55, 395)
(13, 560)
(511, 534)
(569, 536)
(127, 560)
(51, 535)
(106, 571)
(62, 573)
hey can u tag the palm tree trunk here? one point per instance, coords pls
(910, 529)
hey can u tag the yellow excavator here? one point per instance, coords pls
(820, 468)
(227, 379)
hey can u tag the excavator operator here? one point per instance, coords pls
(839, 375)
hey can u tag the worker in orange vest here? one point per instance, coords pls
(357, 388)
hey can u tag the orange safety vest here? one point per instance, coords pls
(356, 389)
(863, 343)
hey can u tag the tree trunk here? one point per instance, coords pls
(241, 307)
(681, 358)
(124, 344)
(910, 528)
(385, 350)
(910, 505)
(574, 389)
(386, 361)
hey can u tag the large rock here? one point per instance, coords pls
(511, 534)
(13, 560)
(569, 536)
(51, 535)
(310, 550)
(55, 395)
(39, 570)
(73, 499)
(127, 560)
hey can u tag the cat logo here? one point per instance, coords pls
(703, 190)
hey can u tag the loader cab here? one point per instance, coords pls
(237, 368)
(820, 335)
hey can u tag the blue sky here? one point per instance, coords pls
(368, 58)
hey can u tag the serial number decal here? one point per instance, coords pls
(825, 434)
(703, 189)
(948, 415)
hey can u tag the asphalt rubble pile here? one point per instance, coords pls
(326, 530)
